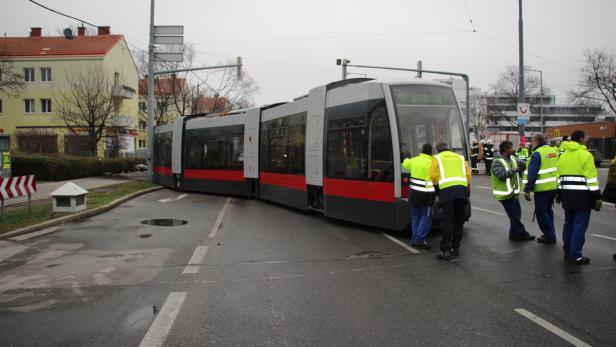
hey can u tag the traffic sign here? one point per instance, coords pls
(169, 57)
(17, 186)
(168, 30)
(523, 111)
(169, 40)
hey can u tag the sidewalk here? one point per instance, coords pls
(44, 189)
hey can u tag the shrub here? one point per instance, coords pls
(59, 168)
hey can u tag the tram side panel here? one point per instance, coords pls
(358, 182)
(162, 156)
(282, 154)
(214, 156)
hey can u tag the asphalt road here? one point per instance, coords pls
(247, 272)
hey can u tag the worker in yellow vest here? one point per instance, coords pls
(421, 195)
(506, 187)
(540, 178)
(452, 174)
(579, 192)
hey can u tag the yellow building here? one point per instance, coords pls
(49, 66)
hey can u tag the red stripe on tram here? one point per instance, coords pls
(361, 190)
(163, 170)
(217, 175)
(296, 182)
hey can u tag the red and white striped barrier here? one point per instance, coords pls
(14, 187)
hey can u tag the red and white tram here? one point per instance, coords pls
(337, 150)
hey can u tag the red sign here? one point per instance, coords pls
(14, 187)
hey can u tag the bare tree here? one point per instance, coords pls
(86, 105)
(227, 90)
(597, 80)
(479, 114)
(508, 84)
(11, 82)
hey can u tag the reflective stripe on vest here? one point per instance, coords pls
(510, 190)
(444, 179)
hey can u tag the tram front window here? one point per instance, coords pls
(429, 114)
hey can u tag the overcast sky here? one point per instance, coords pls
(291, 46)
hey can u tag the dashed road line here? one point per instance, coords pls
(401, 244)
(552, 328)
(603, 237)
(483, 187)
(161, 327)
(218, 222)
(195, 260)
(488, 211)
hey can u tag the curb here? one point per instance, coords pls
(76, 216)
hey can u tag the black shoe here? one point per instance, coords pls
(447, 255)
(614, 256)
(455, 252)
(526, 237)
(580, 261)
(543, 239)
(421, 244)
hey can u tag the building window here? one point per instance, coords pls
(29, 74)
(46, 74)
(142, 106)
(116, 78)
(142, 125)
(0, 106)
(29, 105)
(141, 143)
(46, 105)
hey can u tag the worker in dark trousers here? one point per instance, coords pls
(540, 178)
(421, 195)
(452, 174)
(474, 157)
(579, 192)
(506, 188)
(488, 155)
(609, 192)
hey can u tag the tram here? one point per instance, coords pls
(336, 150)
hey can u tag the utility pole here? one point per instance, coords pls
(521, 68)
(150, 133)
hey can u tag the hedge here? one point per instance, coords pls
(50, 168)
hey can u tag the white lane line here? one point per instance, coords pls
(483, 187)
(164, 320)
(402, 244)
(488, 211)
(195, 260)
(221, 215)
(552, 328)
(603, 237)
(181, 196)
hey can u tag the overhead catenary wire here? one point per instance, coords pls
(470, 19)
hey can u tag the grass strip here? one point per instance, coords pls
(19, 217)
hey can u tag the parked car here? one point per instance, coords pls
(596, 155)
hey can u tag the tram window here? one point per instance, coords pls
(283, 144)
(215, 148)
(162, 149)
(235, 152)
(380, 146)
(195, 149)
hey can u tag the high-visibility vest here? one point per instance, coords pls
(522, 153)
(576, 170)
(419, 168)
(503, 190)
(547, 176)
(452, 170)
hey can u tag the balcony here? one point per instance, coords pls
(123, 92)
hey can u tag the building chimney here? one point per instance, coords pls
(105, 30)
(36, 32)
(81, 31)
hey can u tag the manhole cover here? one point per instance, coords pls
(144, 236)
(164, 222)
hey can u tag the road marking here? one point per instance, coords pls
(488, 211)
(164, 320)
(218, 222)
(483, 187)
(164, 201)
(402, 244)
(552, 328)
(603, 237)
(195, 260)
